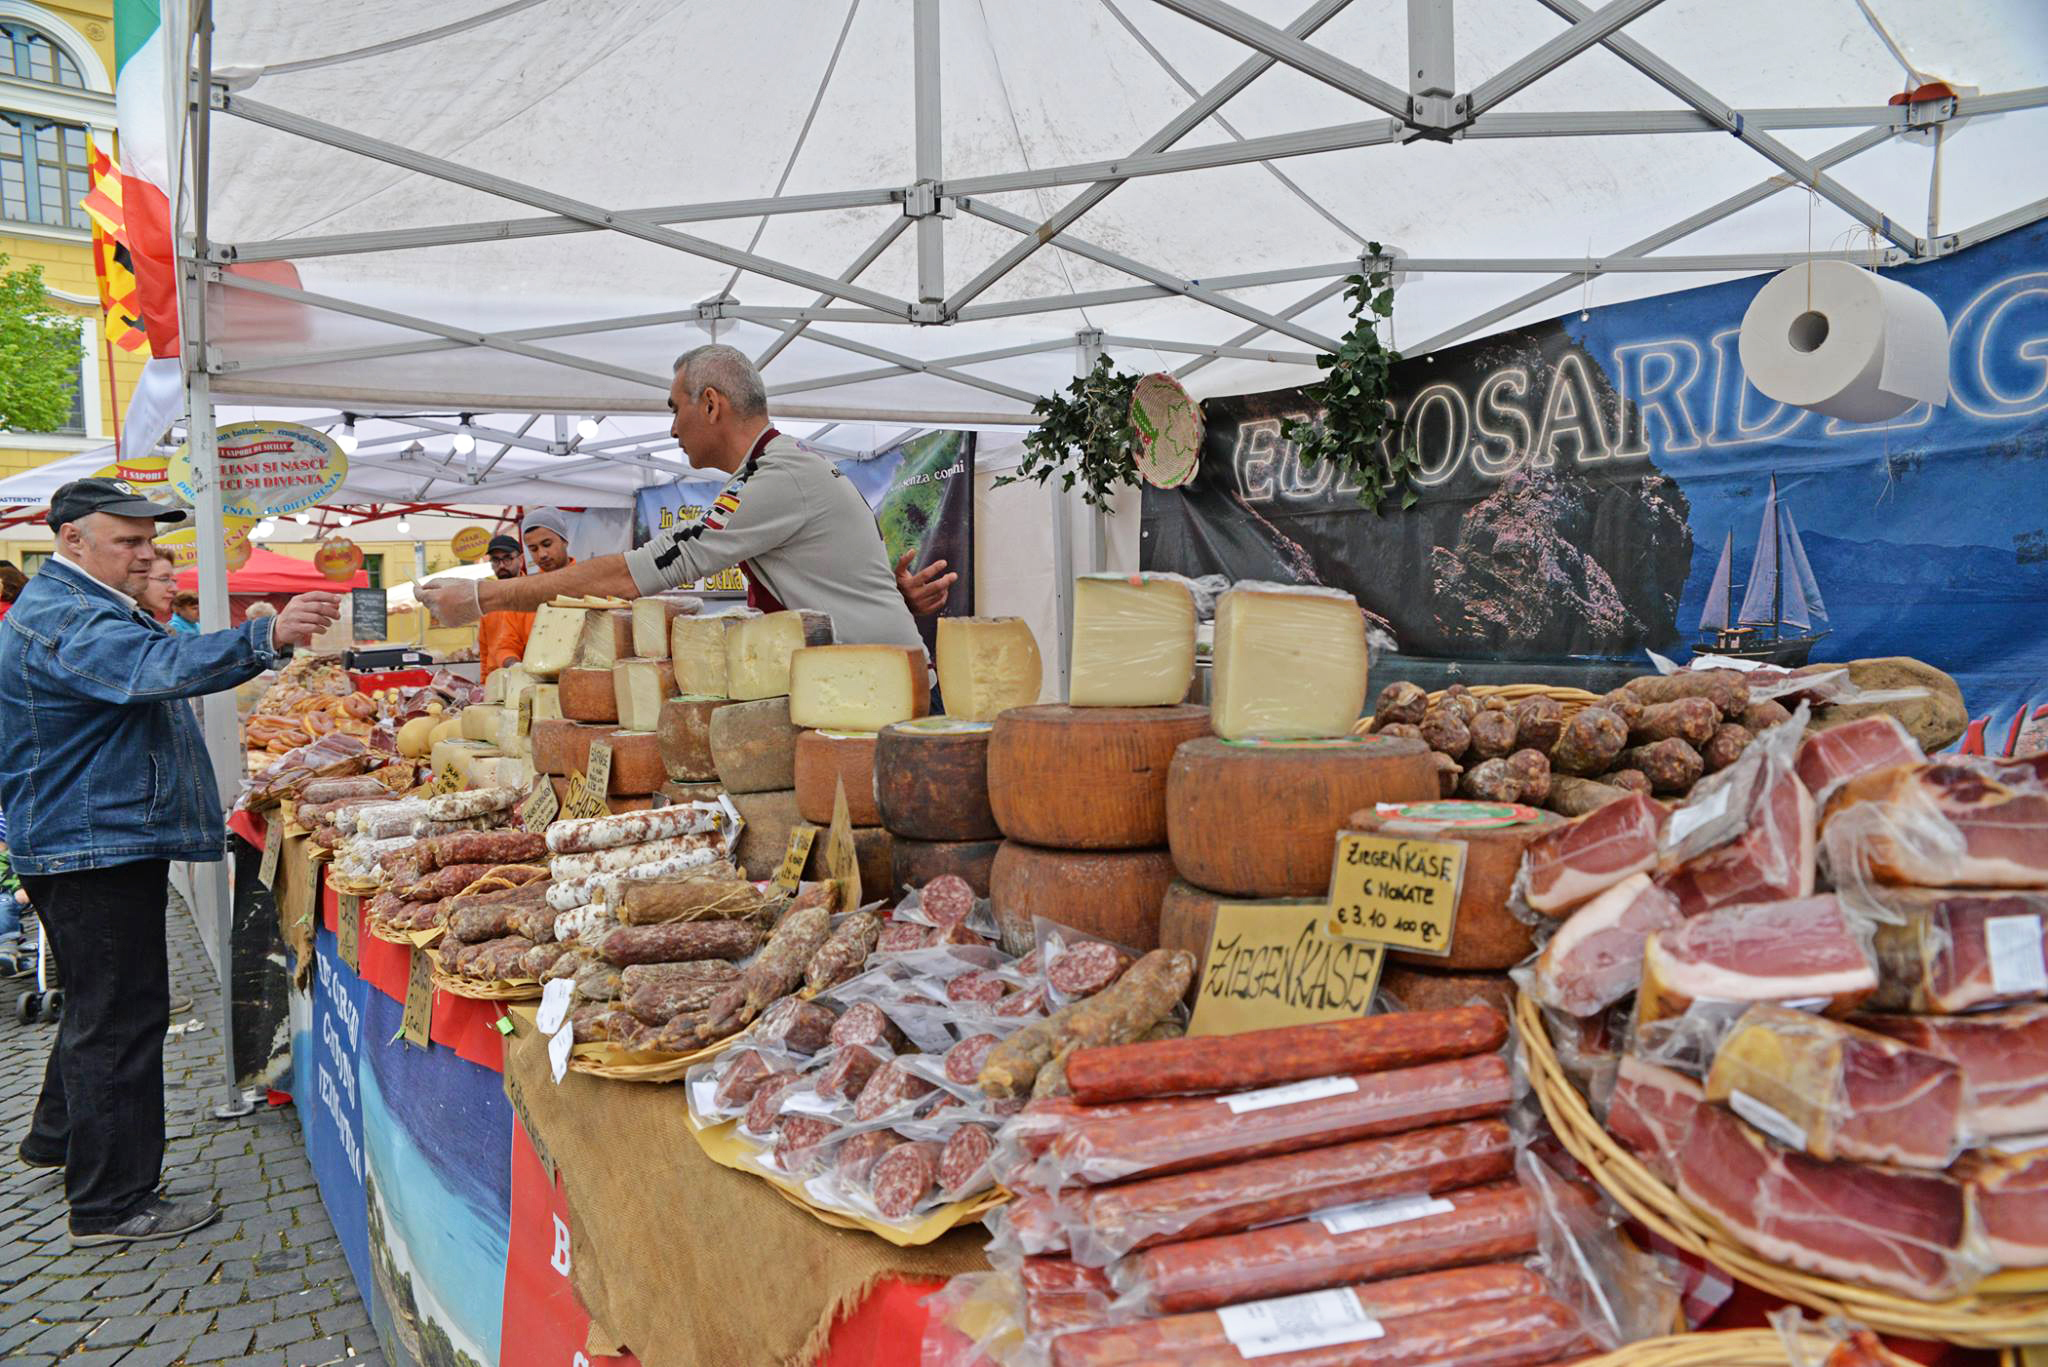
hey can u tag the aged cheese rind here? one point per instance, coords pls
(913, 863)
(932, 784)
(823, 761)
(871, 846)
(770, 817)
(613, 803)
(639, 688)
(563, 747)
(587, 694)
(857, 688)
(757, 651)
(1134, 640)
(1290, 663)
(684, 727)
(753, 746)
(1115, 894)
(551, 645)
(1485, 935)
(987, 665)
(1087, 778)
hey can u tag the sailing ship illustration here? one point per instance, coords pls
(1781, 593)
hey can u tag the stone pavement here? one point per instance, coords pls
(266, 1284)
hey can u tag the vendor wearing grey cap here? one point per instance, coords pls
(804, 535)
(547, 539)
(501, 636)
(105, 780)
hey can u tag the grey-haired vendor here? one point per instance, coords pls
(797, 526)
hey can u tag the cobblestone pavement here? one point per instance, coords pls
(266, 1284)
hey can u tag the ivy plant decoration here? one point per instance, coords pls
(1084, 434)
(1354, 393)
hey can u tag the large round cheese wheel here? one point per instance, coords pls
(684, 727)
(1111, 893)
(614, 804)
(588, 695)
(1187, 920)
(562, 747)
(871, 851)
(637, 770)
(1261, 820)
(917, 862)
(1486, 935)
(1403, 988)
(931, 780)
(770, 817)
(1087, 778)
(753, 746)
(691, 792)
(824, 759)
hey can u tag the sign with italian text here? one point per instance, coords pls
(267, 469)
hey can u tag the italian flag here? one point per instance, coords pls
(142, 60)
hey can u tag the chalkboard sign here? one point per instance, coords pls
(370, 614)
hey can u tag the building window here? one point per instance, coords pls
(43, 171)
(74, 423)
(28, 54)
(373, 565)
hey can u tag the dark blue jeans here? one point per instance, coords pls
(102, 1105)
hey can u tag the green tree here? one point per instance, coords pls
(38, 354)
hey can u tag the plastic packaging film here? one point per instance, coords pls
(1834, 338)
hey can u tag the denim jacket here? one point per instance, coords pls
(101, 761)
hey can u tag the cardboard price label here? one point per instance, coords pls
(842, 865)
(791, 872)
(446, 780)
(526, 711)
(273, 846)
(586, 790)
(1273, 963)
(1397, 892)
(348, 930)
(418, 1019)
(540, 808)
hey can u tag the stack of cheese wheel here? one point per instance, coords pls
(1079, 790)
(1253, 812)
(931, 773)
(587, 653)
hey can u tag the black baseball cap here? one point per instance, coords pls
(507, 544)
(82, 497)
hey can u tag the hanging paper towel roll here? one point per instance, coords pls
(1847, 343)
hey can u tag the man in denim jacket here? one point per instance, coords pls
(105, 780)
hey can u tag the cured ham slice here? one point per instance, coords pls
(1576, 862)
(1953, 951)
(1840, 753)
(1596, 958)
(1772, 859)
(1888, 1227)
(1651, 1110)
(2003, 1056)
(2009, 1192)
(1842, 1092)
(1954, 822)
(1801, 951)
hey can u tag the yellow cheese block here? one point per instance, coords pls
(507, 739)
(639, 688)
(857, 688)
(651, 617)
(1134, 640)
(448, 728)
(1290, 663)
(504, 684)
(501, 771)
(758, 649)
(547, 702)
(607, 638)
(480, 721)
(986, 665)
(461, 755)
(696, 648)
(551, 646)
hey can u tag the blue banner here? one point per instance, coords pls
(327, 1062)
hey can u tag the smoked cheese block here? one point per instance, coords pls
(770, 817)
(1187, 920)
(931, 780)
(1254, 820)
(870, 850)
(588, 695)
(1403, 988)
(684, 730)
(615, 804)
(753, 746)
(1115, 894)
(916, 862)
(1486, 935)
(1090, 778)
(823, 760)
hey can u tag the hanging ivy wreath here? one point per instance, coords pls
(1084, 435)
(1354, 395)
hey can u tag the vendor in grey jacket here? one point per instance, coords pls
(799, 528)
(105, 779)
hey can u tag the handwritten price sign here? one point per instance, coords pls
(1396, 892)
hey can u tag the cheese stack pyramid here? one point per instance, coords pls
(590, 686)
(930, 774)
(1253, 812)
(1079, 789)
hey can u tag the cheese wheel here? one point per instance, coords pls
(616, 804)
(931, 781)
(1115, 894)
(1486, 935)
(1088, 778)
(1262, 820)
(1403, 988)
(691, 792)
(916, 862)
(770, 817)
(684, 729)
(1187, 920)
(870, 851)
(637, 770)
(587, 694)
(753, 746)
(563, 747)
(823, 760)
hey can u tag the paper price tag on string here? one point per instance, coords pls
(1271, 964)
(526, 712)
(554, 1005)
(348, 930)
(791, 872)
(559, 1045)
(1396, 892)
(540, 808)
(418, 1019)
(842, 865)
(273, 846)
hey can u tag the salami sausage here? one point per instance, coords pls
(903, 1177)
(1692, 720)
(660, 1004)
(1591, 740)
(797, 1025)
(855, 1162)
(1530, 770)
(540, 958)
(1493, 734)
(1539, 721)
(536, 923)
(1032, 964)
(866, 1023)
(1291, 1053)
(685, 973)
(1725, 746)
(799, 1144)
(765, 1108)
(1399, 703)
(593, 1023)
(1671, 765)
(1625, 705)
(474, 802)
(680, 940)
(480, 847)
(1197, 1132)
(963, 1060)
(1571, 796)
(1030, 1002)
(599, 981)
(1491, 781)
(844, 951)
(900, 937)
(571, 963)
(847, 1075)
(432, 887)
(977, 986)
(1497, 1220)
(341, 789)
(952, 935)
(587, 835)
(1726, 688)
(1459, 698)
(497, 960)
(947, 900)
(713, 892)
(1425, 1293)
(474, 924)
(1084, 969)
(1762, 716)
(1145, 995)
(674, 854)
(889, 1087)
(744, 1075)
(1445, 731)
(965, 1156)
(1407, 730)
(1628, 780)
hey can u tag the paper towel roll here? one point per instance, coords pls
(1851, 345)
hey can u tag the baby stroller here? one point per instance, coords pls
(45, 1001)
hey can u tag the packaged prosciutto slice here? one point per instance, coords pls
(1832, 757)
(1797, 952)
(1596, 958)
(1651, 1110)
(2003, 1056)
(1571, 864)
(1948, 823)
(1747, 833)
(1943, 951)
(2009, 1193)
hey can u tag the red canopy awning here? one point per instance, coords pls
(269, 572)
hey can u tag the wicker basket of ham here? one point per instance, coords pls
(1744, 1348)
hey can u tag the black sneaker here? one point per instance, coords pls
(31, 1159)
(159, 1219)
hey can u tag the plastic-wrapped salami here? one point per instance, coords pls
(866, 1023)
(976, 987)
(680, 940)
(740, 1074)
(900, 937)
(590, 834)
(764, 1110)
(803, 1027)
(964, 1060)
(904, 1177)
(1085, 967)
(855, 1161)
(1145, 995)
(847, 1074)
(801, 1143)
(844, 951)
(964, 1161)
(891, 1086)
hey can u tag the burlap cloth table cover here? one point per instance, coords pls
(682, 1261)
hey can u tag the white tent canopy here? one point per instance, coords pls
(918, 210)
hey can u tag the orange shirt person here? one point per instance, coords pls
(501, 636)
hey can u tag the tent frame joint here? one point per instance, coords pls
(926, 199)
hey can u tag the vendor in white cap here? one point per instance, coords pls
(789, 517)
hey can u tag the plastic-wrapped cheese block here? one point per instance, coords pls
(651, 618)
(857, 688)
(1290, 663)
(825, 760)
(639, 688)
(753, 745)
(1134, 640)
(758, 649)
(986, 665)
(587, 694)
(696, 648)
(551, 645)
(607, 638)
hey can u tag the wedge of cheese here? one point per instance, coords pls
(508, 740)
(640, 687)
(480, 721)
(504, 684)
(501, 771)
(651, 618)
(1290, 663)
(757, 651)
(1134, 640)
(696, 647)
(607, 638)
(987, 665)
(551, 647)
(547, 702)
(857, 688)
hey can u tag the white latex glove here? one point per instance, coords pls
(454, 602)
(305, 617)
